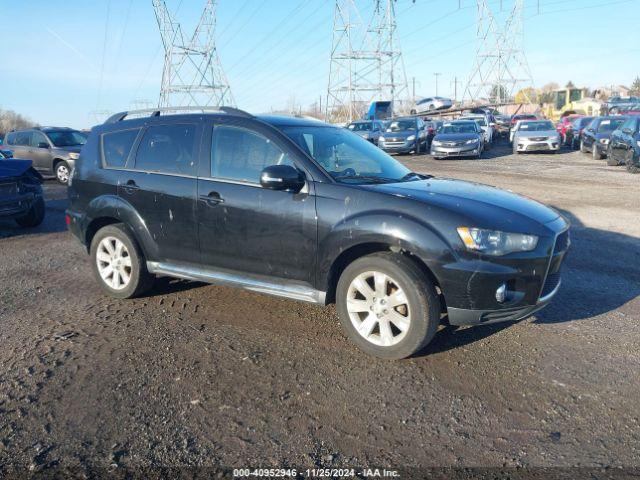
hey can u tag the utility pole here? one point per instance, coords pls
(455, 82)
(366, 61)
(192, 74)
(437, 75)
(501, 66)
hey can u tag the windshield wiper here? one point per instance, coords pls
(416, 176)
(366, 178)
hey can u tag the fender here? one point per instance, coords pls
(116, 207)
(404, 233)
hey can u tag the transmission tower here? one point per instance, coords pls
(366, 60)
(192, 74)
(501, 67)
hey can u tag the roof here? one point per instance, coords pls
(290, 121)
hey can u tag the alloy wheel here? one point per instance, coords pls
(62, 173)
(378, 308)
(114, 263)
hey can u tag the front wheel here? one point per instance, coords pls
(387, 305)
(35, 215)
(62, 172)
(596, 153)
(633, 167)
(583, 147)
(118, 263)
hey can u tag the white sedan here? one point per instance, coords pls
(431, 104)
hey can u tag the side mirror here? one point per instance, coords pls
(43, 145)
(591, 130)
(282, 177)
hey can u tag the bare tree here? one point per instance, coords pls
(10, 120)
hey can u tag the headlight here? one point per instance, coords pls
(74, 156)
(604, 141)
(381, 139)
(497, 243)
(436, 143)
(411, 138)
(469, 142)
(638, 143)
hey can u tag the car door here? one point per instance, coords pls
(244, 227)
(22, 146)
(160, 184)
(40, 150)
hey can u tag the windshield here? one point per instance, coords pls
(480, 120)
(361, 127)
(536, 126)
(347, 157)
(609, 125)
(466, 127)
(67, 138)
(400, 125)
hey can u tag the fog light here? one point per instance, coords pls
(501, 293)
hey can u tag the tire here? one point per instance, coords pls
(62, 172)
(595, 153)
(140, 280)
(583, 149)
(612, 162)
(35, 215)
(632, 167)
(420, 305)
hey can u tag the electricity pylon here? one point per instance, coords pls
(366, 61)
(192, 74)
(501, 67)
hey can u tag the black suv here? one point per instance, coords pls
(624, 147)
(304, 210)
(53, 150)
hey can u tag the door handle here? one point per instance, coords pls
(130, 187)
(212, 199)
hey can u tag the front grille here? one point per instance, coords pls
(453, 144)
(553, 280)
(538, 139)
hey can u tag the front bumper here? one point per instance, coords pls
(527, 145)
(397, 147)
(532, 281)
(16, 206)
(462, 151)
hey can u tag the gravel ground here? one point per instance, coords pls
(202, 376)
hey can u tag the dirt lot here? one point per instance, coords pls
(196, 375)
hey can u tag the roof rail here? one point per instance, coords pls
(157, 112)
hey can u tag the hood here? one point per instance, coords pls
(539, 133)
(485, 206)
(455, 137)
(13, 168)
(74, 149)
(362, 133)
(601, 135)
(399, 134)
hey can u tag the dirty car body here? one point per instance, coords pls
(228, 224)
(20, 190)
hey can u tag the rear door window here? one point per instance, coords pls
(168, 149)
(116, 147)
(23, 139)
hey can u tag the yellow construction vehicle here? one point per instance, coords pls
(568, 101)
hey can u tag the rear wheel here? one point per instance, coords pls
(387, 305)
(583, 148)
(118, 263)
(35, 215)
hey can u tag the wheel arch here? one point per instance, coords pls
(360, 250)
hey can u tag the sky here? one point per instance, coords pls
(68, 62)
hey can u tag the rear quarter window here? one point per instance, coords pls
(116, 147)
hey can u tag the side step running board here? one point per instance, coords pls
(292, 290)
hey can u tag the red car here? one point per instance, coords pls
(564, 124)
(522, 116)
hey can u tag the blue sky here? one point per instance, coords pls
(63, 60)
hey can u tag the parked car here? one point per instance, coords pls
(431, 104)
(596, 136)
(624, 147)
(21, 197)
(460, 138)
(535, 136)
(6, 153)
(308, 211)
(503, 123)
(487, 124)
(574, 131)
(404, 135)
(368, 129)
(616, 105)
(53, 150)
(522, 116)
(564, 124)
